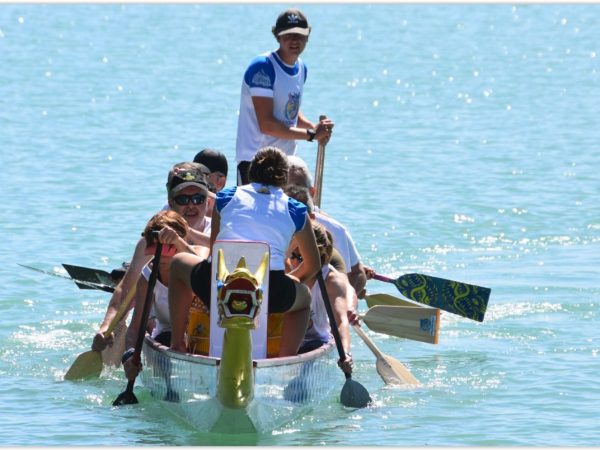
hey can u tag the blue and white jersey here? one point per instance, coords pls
(269, 76)
(255, 212)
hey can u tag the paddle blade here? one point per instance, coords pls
(394, 372)
(90, 275)
(409, 322)
(354, 394)
(464, 299)
(87, 365)
(388, 300)
(125, 398)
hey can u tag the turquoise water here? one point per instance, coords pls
(466, 147)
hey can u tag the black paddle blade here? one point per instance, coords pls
(125, 398)
(354, 394)
(91, 276)
(464, 299)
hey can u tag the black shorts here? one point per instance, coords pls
(282, 289)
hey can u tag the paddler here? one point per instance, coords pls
(187, 190)
(271, 96)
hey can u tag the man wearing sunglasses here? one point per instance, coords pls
(187, 189)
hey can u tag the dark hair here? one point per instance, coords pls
(302, 194)
(269, 166)
(165, 218)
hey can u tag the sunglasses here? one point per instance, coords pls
(167, 250)
(196, 199)
(297, 256)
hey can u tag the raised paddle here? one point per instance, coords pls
(127, 397)
(89, 364)
(409, 322)
(353, 393)
(464, 299)
(94, 275)
(389, 369)
(320, 165)
(81, 284)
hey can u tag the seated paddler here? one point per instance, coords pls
(341, 296)
(173, 230)
(258, 211)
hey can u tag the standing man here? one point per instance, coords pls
(271, 95)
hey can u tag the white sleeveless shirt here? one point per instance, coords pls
(160, 305)
(255, 212)
(318, 324)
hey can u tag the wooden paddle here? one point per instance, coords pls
(466, 300)
(389, 300)
(89, 364)
(410, 322)
(389, 369)
(127, 397)
(353, 393)
(81, 284)
(320, 165)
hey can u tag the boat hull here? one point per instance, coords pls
(284, 388)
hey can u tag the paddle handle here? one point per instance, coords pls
(320, 165)
(332, 322)
(368, 341)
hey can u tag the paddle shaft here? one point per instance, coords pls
(98, 286)
(368, 341)
(320, 165)
(128, 395)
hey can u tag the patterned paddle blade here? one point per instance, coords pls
(464, 299)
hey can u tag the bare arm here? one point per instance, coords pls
(358, 279)
(268, 124)
(120, 294)
(341, 297)
(311, 264)
(215, 227)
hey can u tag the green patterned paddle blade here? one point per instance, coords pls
(466, 300)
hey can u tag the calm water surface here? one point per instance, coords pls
(466, 146)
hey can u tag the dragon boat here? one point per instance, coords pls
(236, 388)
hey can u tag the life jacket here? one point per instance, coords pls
(198, 328)
(274, 330)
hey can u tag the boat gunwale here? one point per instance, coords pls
(267, 362)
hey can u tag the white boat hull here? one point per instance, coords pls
(284, 388)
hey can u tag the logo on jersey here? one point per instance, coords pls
(261, 79)
(293, 106)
